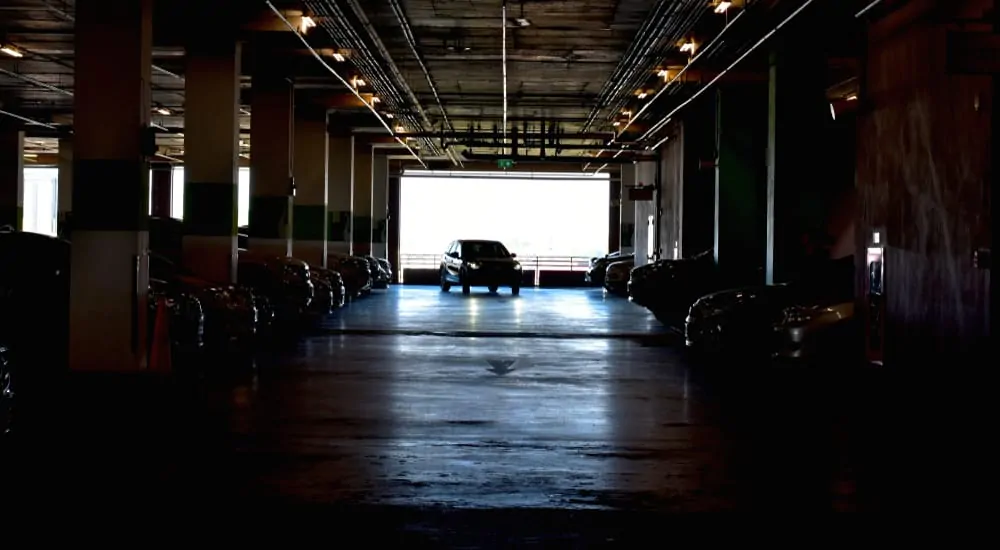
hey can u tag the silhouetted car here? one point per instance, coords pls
(7, 389)
(354, 271)
(34, 318)
(668, 287)
(806, 318)
(284, 281)
(471, 263)
(329, 288)
(386, 268)
(229, 311)
(187, 317)
(599, 266)
(617, 276)
(380, 278)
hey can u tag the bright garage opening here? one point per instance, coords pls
(552, 221)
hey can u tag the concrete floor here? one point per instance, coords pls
(460, 414)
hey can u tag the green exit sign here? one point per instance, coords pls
(505, 164)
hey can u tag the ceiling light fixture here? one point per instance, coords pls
(375, 99)
(389, 115)
(688, 47)
(627, 113)
(11, 50)
(306, 24)
(162, 110)
(522, 22)
(399, 128)
(723, 6)
(642, 95)
(616, 123)
(357, 82)
(662, 73)
(852, 98)
(338, 57)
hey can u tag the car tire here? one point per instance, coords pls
(493, 289)
(445, 285)
(515, 290)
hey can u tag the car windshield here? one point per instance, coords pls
(484, 249)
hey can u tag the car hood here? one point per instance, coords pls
(495, 262)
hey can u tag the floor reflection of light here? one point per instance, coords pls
(467, 421)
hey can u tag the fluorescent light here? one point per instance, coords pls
(627, 113)
(358, 82)
(522, 22)
(852, 98)
(389, 115)
(642, 95)
(616, 123)
(688, 47)
(400, 129)
(833, 112)
(339, 57)
(162, 110)
(662, 73)
(721, 7)
(375, 99)
(306, 23)
(11, 50)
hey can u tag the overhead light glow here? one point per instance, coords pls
(833, 112)
(522, 22)
(338, 57)
(722, 7)
(389, 115)
(852, 98)
(358, 82)
(400, 128)
(163, 111)
(11, 50)
(662, 73)
(642, 95)
(616, 123)
(306, 24)
(375, 99)
(627, 113)
(688, 47)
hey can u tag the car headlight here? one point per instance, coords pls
(473, 265)
(517, 266)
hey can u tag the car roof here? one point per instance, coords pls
(463, 241)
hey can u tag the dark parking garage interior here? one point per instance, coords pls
(707, 256)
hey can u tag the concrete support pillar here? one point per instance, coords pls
(362, 197)
(340, 188)
(161, 187)
(310, 231)
(797, 157)
(109, 280)
(392, 224)
(211, 151)
(741, 183)
(11, 177)
(65, 186)
(626, 224)
(271, 153)
(380, 198)
(646, 214)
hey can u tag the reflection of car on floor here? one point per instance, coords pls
(470, 263)
(599, 266)
(668, 287)
(617, 276)
(810, 317)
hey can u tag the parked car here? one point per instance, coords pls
(599, 266)
(380, 276)
(229, 311)
(282, 280)
(329, 290)
(668, 287)
(187, 317)
(354, 271)
(387, 268)
(471, 263)
(806, 318)
(617, 276)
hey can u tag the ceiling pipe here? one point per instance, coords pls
(363, 18)
(36, 82)
(504, 63)
(867, 8)
(335, 21)
(739, 59)
(29, 121)
(404, 23)
(342, 80)
(470, 156)
(597, 136)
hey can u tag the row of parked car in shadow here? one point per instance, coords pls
(273, 298)
(809, 317)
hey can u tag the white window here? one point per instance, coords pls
(41, 200)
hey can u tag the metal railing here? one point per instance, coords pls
(536, 264)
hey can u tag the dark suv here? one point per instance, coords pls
(480, 263)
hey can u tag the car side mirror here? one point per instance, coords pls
(512, 255)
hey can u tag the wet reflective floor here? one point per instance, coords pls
(559, 413)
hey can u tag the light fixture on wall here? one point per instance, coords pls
(11, 50)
